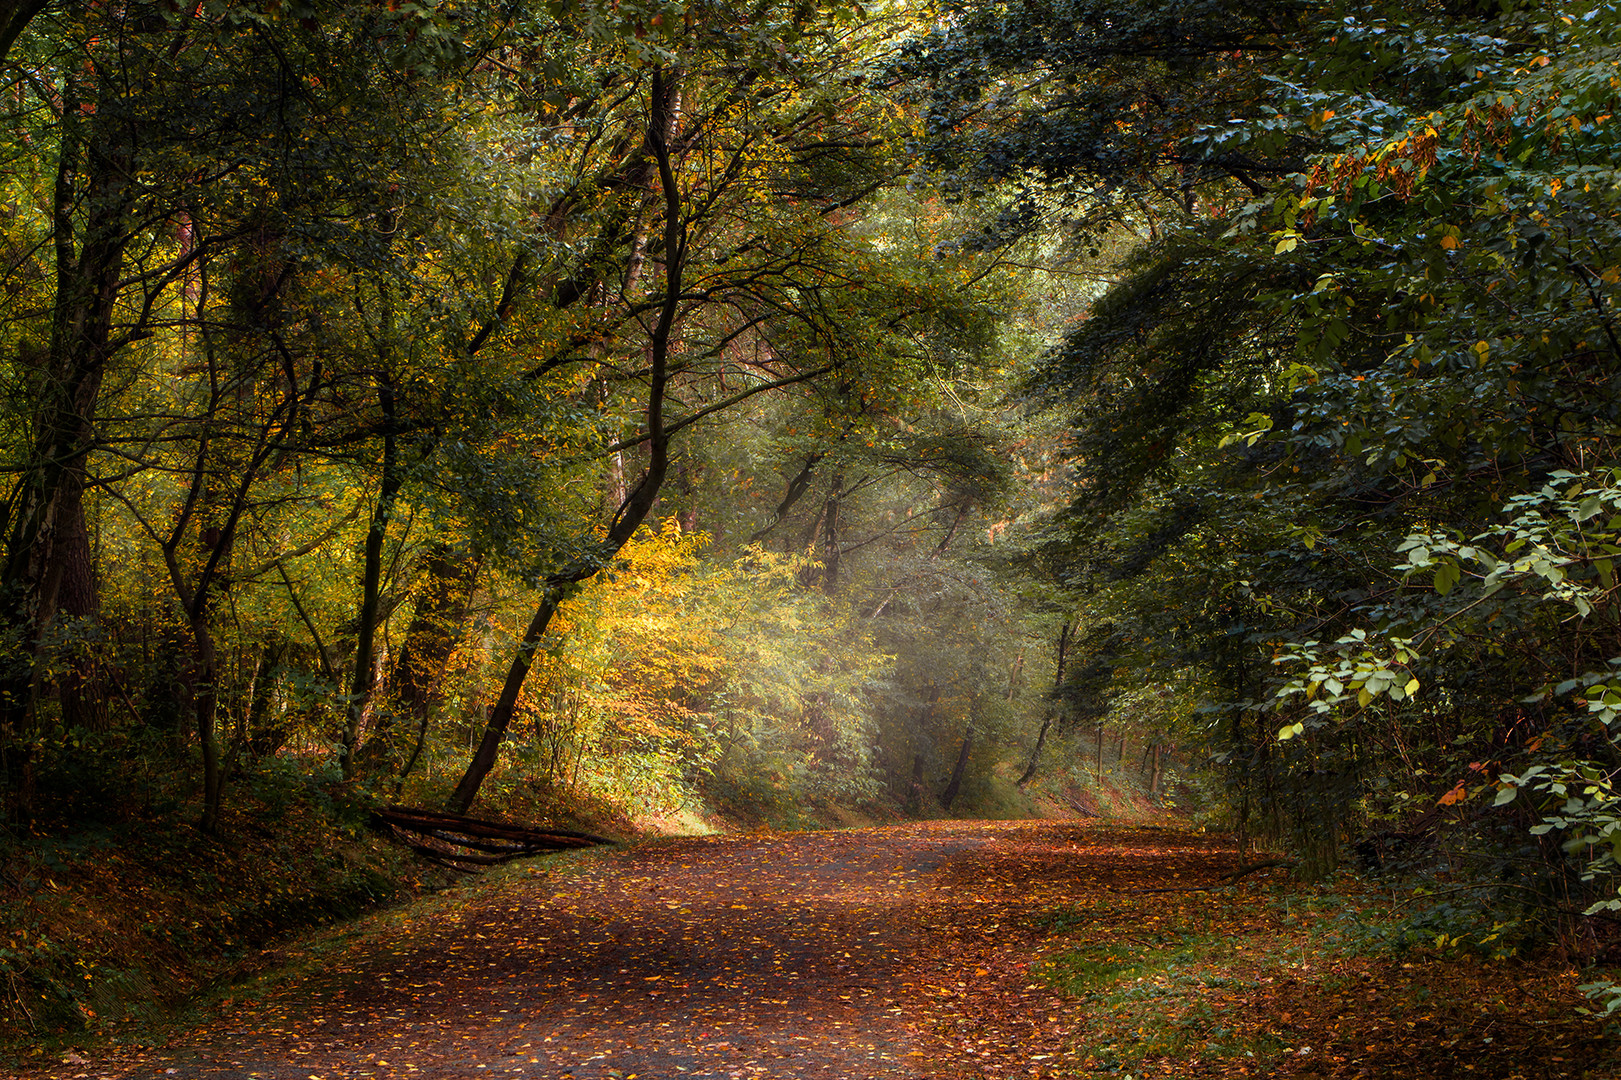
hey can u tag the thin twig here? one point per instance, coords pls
(21, 1004)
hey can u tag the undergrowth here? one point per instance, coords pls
(105, 925)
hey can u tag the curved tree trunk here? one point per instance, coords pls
(559, 586)
(15, 15)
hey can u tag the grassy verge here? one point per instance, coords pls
(1328, 983)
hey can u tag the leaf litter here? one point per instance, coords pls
(949, 950)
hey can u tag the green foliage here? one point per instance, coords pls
(1342, 423)
(376, 285)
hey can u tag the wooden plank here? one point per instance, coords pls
(498, 841)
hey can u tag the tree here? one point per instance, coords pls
(187, 243)
(743, 304)
(1380, 309)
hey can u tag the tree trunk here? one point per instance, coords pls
(614, 491)
(15, 15)
(196, 586)
(495, 727)
(45, 522)
(205, 705)
(830, 536)
(1065, 636)
(949, 795)
(931, 697)
(1035, 753)
(360, 692)
(436, 627)
(263, 737)
(687, 515)
(914, 797)
(81, 690)
(957, 519)
(660, 128)
(795, 491)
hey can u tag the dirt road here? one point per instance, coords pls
(892, 952)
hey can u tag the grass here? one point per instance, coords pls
(1152, 999)
(1289, 980)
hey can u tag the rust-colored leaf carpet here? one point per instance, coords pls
(899, 952)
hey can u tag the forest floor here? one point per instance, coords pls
(924, 950)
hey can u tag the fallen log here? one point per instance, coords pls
(1264, 864)
(1078, 806)
(438, 858)
(462, 842)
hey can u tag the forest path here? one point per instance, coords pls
(887, 952)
